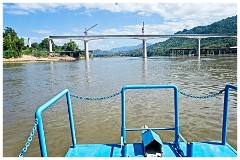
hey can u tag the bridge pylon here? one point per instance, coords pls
(86, 50)
(144, 49)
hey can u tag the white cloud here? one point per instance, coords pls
(28, 8)
(143, 13)
(167, 10)
(204, 12)
(176, 16)
(18, 12)
(201, 14)
(192, 14)
(42, 31)
(164, 28)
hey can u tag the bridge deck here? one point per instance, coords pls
(145, 36)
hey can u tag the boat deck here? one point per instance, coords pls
(200, 149)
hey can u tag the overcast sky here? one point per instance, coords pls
(39, 20)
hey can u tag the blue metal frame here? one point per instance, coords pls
(225, 112)
(40, 128)
(124, 129)
(178, 136)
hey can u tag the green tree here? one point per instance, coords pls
(35, 45)
(12, 45)
(70, 46)
(9, 31)
(44, 45)
(20, 44)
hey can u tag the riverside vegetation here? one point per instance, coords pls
(13, 46)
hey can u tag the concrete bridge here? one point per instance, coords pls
(143, 37)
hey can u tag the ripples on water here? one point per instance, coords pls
(26, 86)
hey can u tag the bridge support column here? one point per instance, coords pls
(86, 50)
(50, 45)
(144, 49)
(29, 42)
(198, 47)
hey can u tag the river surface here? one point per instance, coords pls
(26, 86)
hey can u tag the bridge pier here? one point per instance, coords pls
(86, 50)
(50, 45)
(198, 47)
(144, 49)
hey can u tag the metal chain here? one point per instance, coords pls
(202, 97)
(181, 92)
(24, 150)
(97, 98)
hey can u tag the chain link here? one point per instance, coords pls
(202, 97)
(116, 94)
(24, 150)
(96, 98)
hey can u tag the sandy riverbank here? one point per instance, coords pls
(29, 58)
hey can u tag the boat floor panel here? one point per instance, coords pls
(200, 149)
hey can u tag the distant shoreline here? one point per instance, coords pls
(30, 58)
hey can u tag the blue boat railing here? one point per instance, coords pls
(123, 127)
(40, 128)
(123, 143)
(225, 112)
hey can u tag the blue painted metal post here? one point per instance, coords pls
(177, 130)
(41, 136)
(225, 112)
(123, 129)
(189, 149)
(40, 128)
(70, 113)
(225, 115)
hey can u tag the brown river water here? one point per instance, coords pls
(26, 86)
